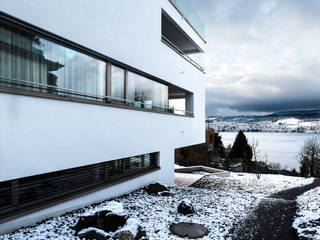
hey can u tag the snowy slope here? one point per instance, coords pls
(307, 221)
(249, 183)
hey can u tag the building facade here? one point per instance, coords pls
(94, 99)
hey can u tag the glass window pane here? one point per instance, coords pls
(115, 168)
(178, 105)
(25, 56)
(117, 82)
(146, 93)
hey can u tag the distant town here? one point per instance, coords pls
(303, 121)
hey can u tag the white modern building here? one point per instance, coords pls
(95, 96)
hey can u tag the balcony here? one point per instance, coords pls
(178, 40)
(185, 8)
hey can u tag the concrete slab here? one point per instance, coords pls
(186, 179)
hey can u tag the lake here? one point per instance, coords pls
(279, 147)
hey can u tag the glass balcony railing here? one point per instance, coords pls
(186, 9)
(69, 94)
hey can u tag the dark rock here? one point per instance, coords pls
(86, 222)
(189, 230)
(113, 222)
(155, 188)
(185, 207)
(315, 223)
(123, 235)
(104, 220)
(165, 194)
(141, 234)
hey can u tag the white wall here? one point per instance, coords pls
(40, 135)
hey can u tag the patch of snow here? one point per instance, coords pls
(97, 230)
(309, 124)
(249, 183)
(200, 172)
(289, 121)
(307, 220)
(186, 201)
(178, 166)
(131, 225)
(113, 206)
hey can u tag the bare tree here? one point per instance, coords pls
(310, 155)
(255, 150)
(256, 157)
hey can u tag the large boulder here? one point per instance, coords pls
(128, 235)
(104, 220)
(166, 194)
(113, 222)
(185, 207)
(155, 188)
(123, 235)
(86, 222)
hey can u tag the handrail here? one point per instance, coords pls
(108, 99)
(181, 53)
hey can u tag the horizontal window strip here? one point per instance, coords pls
(45, 66)
(19, 193)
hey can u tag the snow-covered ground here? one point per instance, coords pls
(218, 208)
(249, 183)
(307, 221)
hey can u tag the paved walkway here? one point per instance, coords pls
(273, 219)
(186, 179)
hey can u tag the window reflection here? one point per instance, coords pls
(28, 57)
(178, 106)
(147, 93)
(117, 82)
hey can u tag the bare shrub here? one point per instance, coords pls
(309, 156)
(257, 158)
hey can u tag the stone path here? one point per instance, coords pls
(273, 219)
(186, 179)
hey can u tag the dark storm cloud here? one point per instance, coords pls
(261, 56)
(267, 93)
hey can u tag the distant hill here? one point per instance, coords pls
(283, 121)
(289, 113)
(297, 113)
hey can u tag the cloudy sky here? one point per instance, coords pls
(262, 55)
